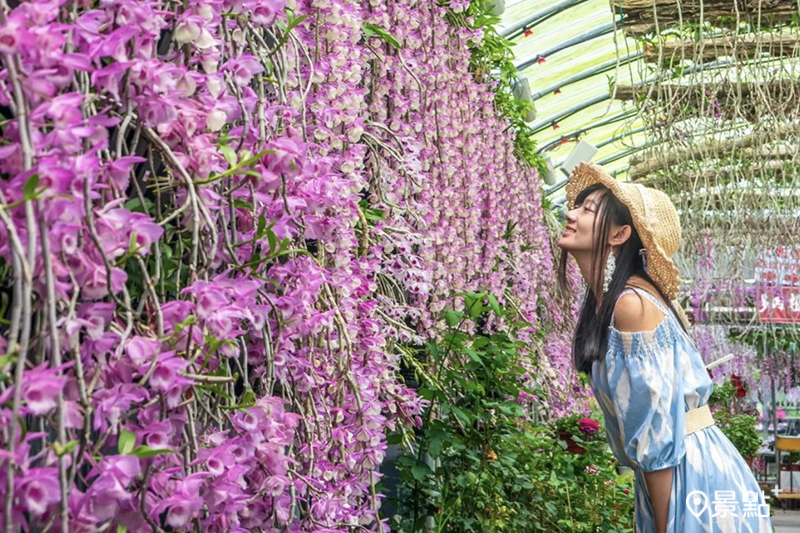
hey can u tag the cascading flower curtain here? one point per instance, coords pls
(219, 220)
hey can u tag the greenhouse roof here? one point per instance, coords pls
(570, 51)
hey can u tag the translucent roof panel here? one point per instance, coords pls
(572, 52)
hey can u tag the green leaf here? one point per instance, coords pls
(374, 214)
(126, 441)
(188, 321)
(296, 21)
(511, 409)
(293, 23)
(433, 349)
(373, 30)
(284, 245)
(461, 414)
(248, 400)
(452, 318)
(122, 529)
(229, 154)
(427, 393)
(252, 173)
(216, 389)
(476, 309)
(420, 472)
(7, 359)
(29, 190)
(273, 241)
(146, 451)
(132, 244)
(134, 205)
(60, 451)
(481, 342)
(494, 304)
(435, 445)
(261, 227)
(394, 438)
(255, 158)
(475, 356)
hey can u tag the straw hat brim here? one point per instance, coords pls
(659, 265)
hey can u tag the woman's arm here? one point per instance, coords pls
(659, 487)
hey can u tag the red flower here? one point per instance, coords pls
(626, 491)
(557, 91)
(556, 126)
(528, 33)
(540, 60)
(588, 426)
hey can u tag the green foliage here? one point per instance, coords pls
(791, 458)
(740, 428)
(723, 395)
(492, 61)
(372, 30)
(742, 432)
(479, 463)
(771, 339)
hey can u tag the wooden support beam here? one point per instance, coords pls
(781, 90)
(640, 168)
(731, 45)
(641, 15)
(774, 170)
(733, 198)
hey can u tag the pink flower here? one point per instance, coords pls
(40, 389)
(13, 35)
(166, 373)
(588, 426)
(39, 490)
(119, 170)
(141, 349)
(264, 13)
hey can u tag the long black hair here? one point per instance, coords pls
(591, 332)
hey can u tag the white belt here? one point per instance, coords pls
(698, 419)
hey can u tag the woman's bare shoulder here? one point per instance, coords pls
(633, 312)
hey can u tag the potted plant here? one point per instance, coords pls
(790, 460)
(576, 427)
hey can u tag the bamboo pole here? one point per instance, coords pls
(640, 168)
(738, 46)
(772, 88)
(640, 15)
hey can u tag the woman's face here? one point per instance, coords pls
(578, 236)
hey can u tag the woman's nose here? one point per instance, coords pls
(570, 215)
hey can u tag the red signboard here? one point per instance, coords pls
(778, 281)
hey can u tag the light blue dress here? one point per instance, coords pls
(645, 384)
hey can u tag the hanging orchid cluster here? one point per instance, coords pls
(219, 221)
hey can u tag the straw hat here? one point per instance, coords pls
(654, 218)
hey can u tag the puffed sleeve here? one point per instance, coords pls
(645, 385)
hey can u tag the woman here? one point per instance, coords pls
(646, 373)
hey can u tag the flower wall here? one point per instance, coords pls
(220, 224)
